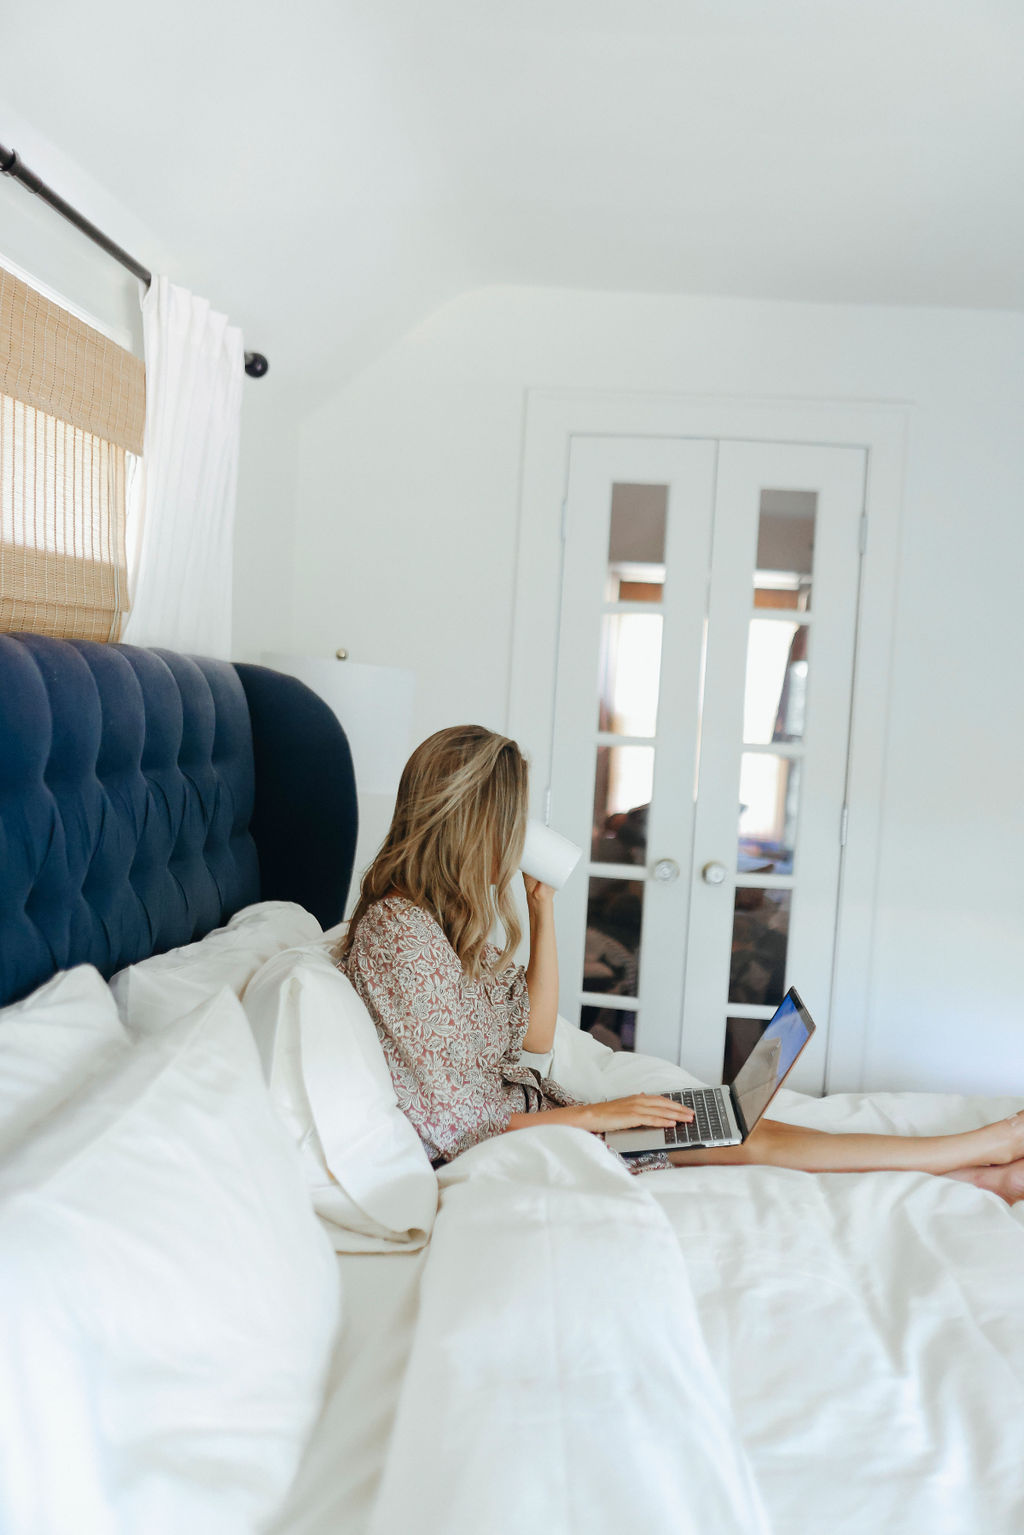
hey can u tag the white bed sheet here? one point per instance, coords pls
(867, 1331)
(334, 1491)
(869, 1327)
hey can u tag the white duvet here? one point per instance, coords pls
(716, 1349)
(868, 1328)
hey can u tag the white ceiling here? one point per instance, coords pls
(329, 172)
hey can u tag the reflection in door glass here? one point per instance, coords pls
(636, 543)
(630, 669)
(760, 934)
(638, 525)
(611, 955)
(785, 548)
(612, 1026)
(622, 589)
(776, 684)
(622, 794)
(769, 800)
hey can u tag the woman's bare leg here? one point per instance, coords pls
(775, 1144)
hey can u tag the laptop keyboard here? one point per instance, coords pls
(710, 1121)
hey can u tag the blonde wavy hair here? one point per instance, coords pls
(455, 841)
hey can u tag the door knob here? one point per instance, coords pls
(666, 870)
(714, 874)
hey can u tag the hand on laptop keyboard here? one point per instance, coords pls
(642, 1110)
(708, 1124)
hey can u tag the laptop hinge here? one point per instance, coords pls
(737, 1113)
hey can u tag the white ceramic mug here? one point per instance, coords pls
(548, 856)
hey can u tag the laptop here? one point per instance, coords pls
(725, 1116)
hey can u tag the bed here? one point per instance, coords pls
(529, 1338)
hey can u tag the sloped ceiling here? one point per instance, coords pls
(330, 172)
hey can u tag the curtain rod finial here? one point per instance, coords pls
(256, 365)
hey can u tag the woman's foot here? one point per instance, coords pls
(1007, 1139)
(997, 1144)
(1007, 1181)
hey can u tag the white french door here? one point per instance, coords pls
(700, 736)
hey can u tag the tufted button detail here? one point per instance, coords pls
(126, 792)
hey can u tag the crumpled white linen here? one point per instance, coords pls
(855, 1341)
(156, 992)
(368, 1176)
(168, 1302)
(594, 1073)
(868, 1327)
(334, 1488)
(558, 1379)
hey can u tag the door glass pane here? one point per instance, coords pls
(611, 956)
(741, 1035)
(636, 543)
(611, 1025)
(630, 668)
(637, 591)
(785, 548)
(776, 597)
(776, 685)
(622, 795)
(769, 796)
(760, 934)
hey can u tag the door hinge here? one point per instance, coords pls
(844, 821)
(565, 516)
(862, 536)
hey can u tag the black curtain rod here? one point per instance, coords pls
(256, 364)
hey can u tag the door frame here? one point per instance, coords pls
(552, 417)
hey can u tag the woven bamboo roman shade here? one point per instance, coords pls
(72, 406)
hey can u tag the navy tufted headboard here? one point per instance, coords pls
(146, 796)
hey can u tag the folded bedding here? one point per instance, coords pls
(156, 991)
(168, 1301)
(52, 1044)
(558, 1379)
(730, 1348)
(367, 1173)
(529, 1339)
(336, 1485)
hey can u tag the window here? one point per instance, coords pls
(72, 411)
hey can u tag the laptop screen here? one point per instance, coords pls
(772, 1056)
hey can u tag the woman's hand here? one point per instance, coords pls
(648, 1110)
(537, 895)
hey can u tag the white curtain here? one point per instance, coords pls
(182, 509)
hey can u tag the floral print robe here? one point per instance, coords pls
(452, 1043)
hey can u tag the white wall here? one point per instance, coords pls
(52, 251)
(408, 484)
(264, 531)
(45, 245)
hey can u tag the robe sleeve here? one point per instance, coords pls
(508, 990)
(411, 981)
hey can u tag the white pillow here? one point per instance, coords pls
(369, 1177)
(594, 1072)
(51, 1043)
(156, 991)
(168, 1302)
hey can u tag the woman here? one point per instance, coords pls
(453, 1013)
